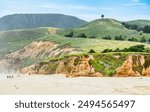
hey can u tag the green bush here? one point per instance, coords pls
(82, 35)
(107, 50)
(136, 48)
(132, 39)
(91, 51)
(70, 34)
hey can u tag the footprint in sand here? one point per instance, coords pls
(16, 87)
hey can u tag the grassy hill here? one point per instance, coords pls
(13, 40)
(140, 23)
(24, 21)
(106, 27)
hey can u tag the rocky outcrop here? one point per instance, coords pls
(34, 52)
(135, 65)
(71, 66)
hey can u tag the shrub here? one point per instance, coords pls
(132, 39)
(92, 51)
(136, 48)
(119, 38)
(117, 50)
(82, 35)
(107, 38)
(70, 34)
(107, 50)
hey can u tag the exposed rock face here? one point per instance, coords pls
(72, 67)
(135, 65)
(34, 51)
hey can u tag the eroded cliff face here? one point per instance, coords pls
(71, 66)
(33, 53)
(135, 65)
(74, 66)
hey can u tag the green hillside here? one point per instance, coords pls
(140, 23)
(24, 21)
(13, 40)
(102, 28)
(86, 44)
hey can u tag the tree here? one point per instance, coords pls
(102, 16)
(147, 29)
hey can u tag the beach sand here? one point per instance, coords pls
(59, 85)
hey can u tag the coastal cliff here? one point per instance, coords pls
(135, 65)
(95, 66)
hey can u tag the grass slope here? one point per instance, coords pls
(24, 21)
(105, 27)
(85, 44)
(140, 23)
(13, 40)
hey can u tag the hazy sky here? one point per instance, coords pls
(84, 9)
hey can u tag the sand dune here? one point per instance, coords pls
(59, 85)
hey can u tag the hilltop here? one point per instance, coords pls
(24, 21)
(106, 29)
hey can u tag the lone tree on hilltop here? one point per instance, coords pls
(102, 16)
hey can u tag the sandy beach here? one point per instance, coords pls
(59, 85)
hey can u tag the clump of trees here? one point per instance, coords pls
(145, 29)
(69, 35)
(107, 38)
(133, 39)
(119, 38)
(81, 35)
(136, 48)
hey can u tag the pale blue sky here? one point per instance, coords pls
(84, 9)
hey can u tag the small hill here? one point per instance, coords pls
(24, 21)
(140, 23)
(102, 28)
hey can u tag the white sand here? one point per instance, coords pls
(59, 85)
